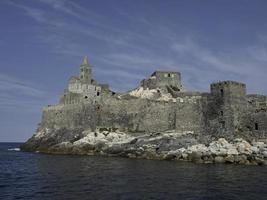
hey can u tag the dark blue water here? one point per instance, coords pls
(40, 176)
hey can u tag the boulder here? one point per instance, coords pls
(219, 159)
(230, 159)
(232, 151)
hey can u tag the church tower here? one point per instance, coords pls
(85, 71)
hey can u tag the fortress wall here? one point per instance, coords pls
(138, 115)
(257, 101)
(69, 116)
(129, 115)
(142, 115)
(189, 117)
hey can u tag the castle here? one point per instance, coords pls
(159, 103)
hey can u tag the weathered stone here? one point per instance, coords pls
(219, 159)
(230, 159)
(232, 151)
(195, 156)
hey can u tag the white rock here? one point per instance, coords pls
(255, 149)
(232, 151)
(264, 154)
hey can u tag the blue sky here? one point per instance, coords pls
(42, 43)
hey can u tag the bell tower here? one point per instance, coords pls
(85, 71)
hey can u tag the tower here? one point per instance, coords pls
(85, 71)
(228, 105)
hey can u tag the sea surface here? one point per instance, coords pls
(40, 176)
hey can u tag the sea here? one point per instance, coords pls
(38, 176)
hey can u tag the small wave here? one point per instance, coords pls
(14, 149)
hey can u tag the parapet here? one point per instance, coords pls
(226, 83)
(224, 89)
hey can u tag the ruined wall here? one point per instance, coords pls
(161, 79)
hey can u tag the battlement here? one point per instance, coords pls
(226, 83)
(228, 89)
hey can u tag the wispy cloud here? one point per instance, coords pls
(20, 94)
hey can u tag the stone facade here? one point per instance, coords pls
(226, 111)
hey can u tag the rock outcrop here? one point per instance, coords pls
(168, 145)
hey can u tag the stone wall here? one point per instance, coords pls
(129, 115)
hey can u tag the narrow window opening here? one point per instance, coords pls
(169, 75)
(221, 113)
(222, 92)
(256, 126)
(98, 93)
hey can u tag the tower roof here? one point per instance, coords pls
(85, 61)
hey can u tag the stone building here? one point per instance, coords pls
(83, 88)
(159, 104)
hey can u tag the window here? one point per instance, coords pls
(222, 92)
(86, 97)
(256, 126)
(169, 75)
(221, 113)
(98, 93)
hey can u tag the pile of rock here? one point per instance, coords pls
(221, 151)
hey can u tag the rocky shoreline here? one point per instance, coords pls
(163, 146)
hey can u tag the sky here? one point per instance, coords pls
(42, 43)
